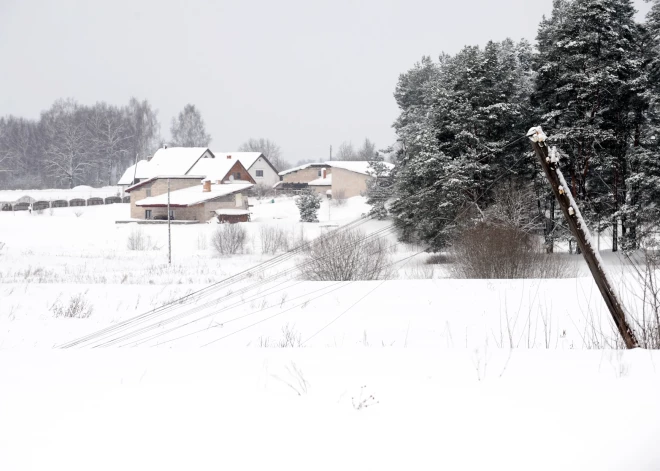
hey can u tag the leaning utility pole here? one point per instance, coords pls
(169, 230)
(549, 163)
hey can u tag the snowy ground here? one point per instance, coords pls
(464, 374)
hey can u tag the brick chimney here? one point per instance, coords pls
(323, 174)
(206, 186)
(229, 157)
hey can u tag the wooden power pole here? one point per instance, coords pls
(549, 163)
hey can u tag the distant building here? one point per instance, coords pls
(200, 202)
(227, 185)
(344, 179)
(256, 163)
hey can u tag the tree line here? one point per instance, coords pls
(592, 82)
(72, 144)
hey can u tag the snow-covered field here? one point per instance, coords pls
(414, 372)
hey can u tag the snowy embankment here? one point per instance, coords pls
(81, 191)
(424, 373)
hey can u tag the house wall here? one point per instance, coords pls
(351, 183)
(270, 176)
(158, 187)
(200, 212)
(238, 168)
(320, 189)
(305, 175)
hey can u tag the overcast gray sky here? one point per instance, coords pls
(305, 73)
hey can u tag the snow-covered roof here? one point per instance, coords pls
(213, 169)
(175, 160)
(303, 167)
(246, 158)
(357, 166)
(327, 181)
(143, 171)
(231, 212)
(194, 195)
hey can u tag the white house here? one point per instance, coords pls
(256, 163)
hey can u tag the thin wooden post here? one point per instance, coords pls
(581, 233)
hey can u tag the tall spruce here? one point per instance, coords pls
(457, 117)
(590, 84)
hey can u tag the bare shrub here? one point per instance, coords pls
(202, 241)
(2, 245)
(345, 255)
(137, 240)
(338, 198)
(438, 259)
(78, 212)
(229, 239)
(417, 271)
(290, 338)
(262, 191)
(77, 308)
(274, 239)
(504, 252)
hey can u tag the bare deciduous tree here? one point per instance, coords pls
(109, 140)
(267, 147)
(67, 153)
(144, 128)
(188, 129)
(346, 151)
(367, 151)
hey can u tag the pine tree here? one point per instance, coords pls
(457, 117)
(589, 83)
(379, 187)
(308, 204)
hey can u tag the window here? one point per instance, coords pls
(260, 173)
(171, 214)
(148, 192)
(239, 200)
(147, 214)
(237, 176)
(319, 174)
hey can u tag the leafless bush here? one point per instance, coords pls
(78, 308)
(137, 240)
(202, 241)
(338, 198)
(345, 255)
(290, 338)
(78, 212)
(274, 239)
(504, 252)
(438, 259)
(514, 205)
(417, 271)
(2, 245)
(262, 191)
(229, 239)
